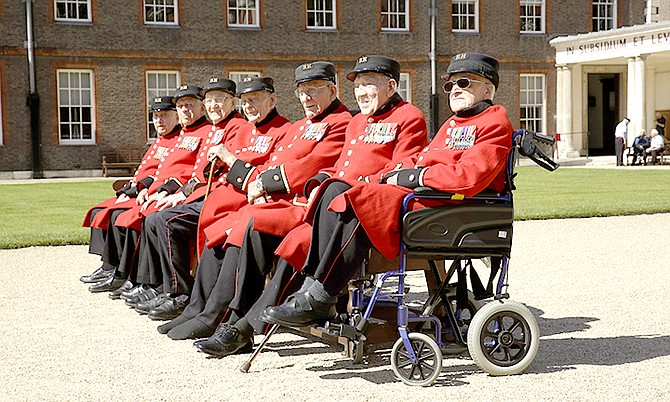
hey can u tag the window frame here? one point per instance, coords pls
(405, 93)
(78, 141)
(167, 91)
(597, 18)
(256, 17)
(394, 13)
(476, 17)
(323, 13)
(88, 19)
(238, 76)
(175, 6)
(542, 118)
(530, 4)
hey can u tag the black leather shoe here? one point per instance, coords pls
(97, 276)
(146, 295)
(134, 291)
(170, 309)
(227, 340)
(144, 307)
(300, 310)
(116, 294)
(107, 285)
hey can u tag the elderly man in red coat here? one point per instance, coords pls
(467, 155)
(387, 130)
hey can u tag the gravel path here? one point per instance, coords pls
(600, 300)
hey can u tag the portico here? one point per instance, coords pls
(605, 76)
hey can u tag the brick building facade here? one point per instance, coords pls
(96, 63)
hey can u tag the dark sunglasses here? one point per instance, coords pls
(462, 83)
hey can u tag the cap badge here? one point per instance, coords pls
(247, 79)
(461, 56)
(363, 59)
(183, 87)
(158, 100)
(307, 66)
(213, 80)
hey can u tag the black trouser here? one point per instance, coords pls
(285, 281)
(121, 247)
(166, 247)
(207, 273)
(618, 149)
(241, 276)
(339, 244)
(96, 244)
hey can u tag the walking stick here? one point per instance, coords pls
(245, 367)
(209, 179)
(195, 261)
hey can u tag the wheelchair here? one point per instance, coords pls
(501, 335)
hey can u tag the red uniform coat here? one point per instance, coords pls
(176, 167)
(227, 132)
(260, 141)
(309, 146)
(150, 161)
(374, 144)
(467, 156)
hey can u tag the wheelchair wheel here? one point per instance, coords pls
(426, 370)
(503, 338)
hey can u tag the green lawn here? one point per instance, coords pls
(51, 213)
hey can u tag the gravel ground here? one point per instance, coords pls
(599, 298)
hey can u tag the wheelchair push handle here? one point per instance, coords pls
(527, 143)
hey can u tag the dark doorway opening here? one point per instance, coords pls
(603, 112)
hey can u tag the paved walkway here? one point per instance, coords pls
(600, 299)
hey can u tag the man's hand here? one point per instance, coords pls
(256, 192)
(222, 153)
(142, 196)
(153, 197)
(121, 198)
(170, 201)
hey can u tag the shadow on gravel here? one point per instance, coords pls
(566, 353)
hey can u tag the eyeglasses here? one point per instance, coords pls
(462, 83)
(311, 91)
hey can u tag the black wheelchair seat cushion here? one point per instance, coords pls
(454, 227)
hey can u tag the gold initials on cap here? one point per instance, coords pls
(247, 79)
(363, 59)
(213, 80)
(158, 100)
(183, 87)
(461, 56)
(307, 66)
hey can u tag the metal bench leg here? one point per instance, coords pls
(245, 367)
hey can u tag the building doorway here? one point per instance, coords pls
(603, 112)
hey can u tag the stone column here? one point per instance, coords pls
(631, 97)
(564, 111)
(641, 95)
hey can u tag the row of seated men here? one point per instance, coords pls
(239, 198)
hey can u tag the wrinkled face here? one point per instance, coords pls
(218, 104)
(372, 91)
(258, 104)
(164, 121)
(315, 96)
(463, 98)
(189, 110)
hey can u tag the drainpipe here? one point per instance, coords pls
(33, 101)
(434, 100)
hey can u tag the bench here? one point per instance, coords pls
(124, 158)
